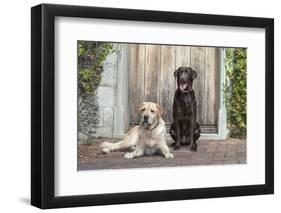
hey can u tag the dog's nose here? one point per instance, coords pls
(145, 117)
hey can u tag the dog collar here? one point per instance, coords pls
(155, 126)
(185, 91)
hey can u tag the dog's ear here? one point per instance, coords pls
(194, 74)
(160, 111)
(176, 72)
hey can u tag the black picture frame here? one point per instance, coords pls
(43, 102)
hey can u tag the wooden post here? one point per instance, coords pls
(222, 121)
(121, 119)
(222, 115)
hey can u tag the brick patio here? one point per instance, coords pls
(231, 151)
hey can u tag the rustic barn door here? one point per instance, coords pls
(151, 78)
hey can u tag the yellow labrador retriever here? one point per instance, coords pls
(147, 138)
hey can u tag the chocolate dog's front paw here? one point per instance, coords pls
(193, 148)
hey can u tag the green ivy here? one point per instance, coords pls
(235, 91)
(91, 56)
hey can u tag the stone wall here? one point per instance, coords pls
(96, 114)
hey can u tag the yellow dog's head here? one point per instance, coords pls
(150, 113)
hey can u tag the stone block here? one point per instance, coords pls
(105, 128)
(106, 96)
(109, 75)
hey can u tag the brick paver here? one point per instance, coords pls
(231, 151)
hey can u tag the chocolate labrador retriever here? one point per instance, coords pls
(185, 129)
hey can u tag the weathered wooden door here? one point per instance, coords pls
(151, 78)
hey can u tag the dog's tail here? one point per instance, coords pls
(107, 147)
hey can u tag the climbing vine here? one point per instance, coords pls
(235, 91)
(91, 56)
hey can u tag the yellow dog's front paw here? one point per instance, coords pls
(128, 155)
(169, 155)
(106, 150)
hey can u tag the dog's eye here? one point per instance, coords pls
(143, 109)
(152, 111)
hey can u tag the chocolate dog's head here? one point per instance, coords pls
(185, 77)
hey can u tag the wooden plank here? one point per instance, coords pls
(182, 56)
(211, 87)
(198, 64)
(136, 80)
(167, 81)
(152, 73)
